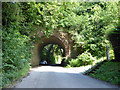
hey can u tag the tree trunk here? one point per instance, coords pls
(115, 41)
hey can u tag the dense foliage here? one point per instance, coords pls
(86, 22)
(91, 35)
(16, 46)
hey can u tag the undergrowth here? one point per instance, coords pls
(14, 76)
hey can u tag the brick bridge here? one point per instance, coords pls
(60, 38)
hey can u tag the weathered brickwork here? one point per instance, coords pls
(58, 37)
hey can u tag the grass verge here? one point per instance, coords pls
(108, 71)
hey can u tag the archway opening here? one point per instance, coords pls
(52, 54)
(43, 42)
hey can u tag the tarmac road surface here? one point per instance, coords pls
(59, 77)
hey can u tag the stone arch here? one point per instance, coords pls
(61, 38)
(53, 39)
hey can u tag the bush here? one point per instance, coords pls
(82, 60)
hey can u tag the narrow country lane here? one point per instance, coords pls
(59, 77)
